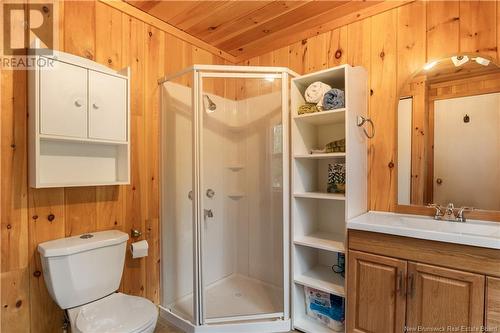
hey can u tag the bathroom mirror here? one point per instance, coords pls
(449, 134)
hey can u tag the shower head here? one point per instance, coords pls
(211, 105)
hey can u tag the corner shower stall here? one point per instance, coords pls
(224, 198)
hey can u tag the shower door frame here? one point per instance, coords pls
(239, 72)
(252, 323)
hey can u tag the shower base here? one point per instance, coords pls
(233, 296)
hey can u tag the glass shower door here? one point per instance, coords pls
(241, 196)
(178, 227)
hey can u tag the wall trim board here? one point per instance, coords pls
(313, 27)
(167, 28)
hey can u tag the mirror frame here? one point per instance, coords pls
(478, 214)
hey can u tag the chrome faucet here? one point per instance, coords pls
(450, 213)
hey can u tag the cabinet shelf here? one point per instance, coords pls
(324, 156)
(320, 195)
(309, 325)
(323, 118)
(82, 140)
(322, 240)
(324, 279)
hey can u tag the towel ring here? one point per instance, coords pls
(360, 121)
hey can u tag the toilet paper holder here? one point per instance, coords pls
(135, 233)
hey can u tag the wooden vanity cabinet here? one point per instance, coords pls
(393, 283)
(492, 311)
(377, 298)
(442, 297)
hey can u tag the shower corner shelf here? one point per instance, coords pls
(236, 195)
(318, 219)
(235, 166)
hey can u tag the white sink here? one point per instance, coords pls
(472, 232)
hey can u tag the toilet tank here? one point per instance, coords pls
(84, 268)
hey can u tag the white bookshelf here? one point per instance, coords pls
(319, 218)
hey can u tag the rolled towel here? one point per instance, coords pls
(314, 93)
(307, 108)
(333, 99)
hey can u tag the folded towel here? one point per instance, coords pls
(337, 146)
(333, 99)
(314, 93)
(308, 108)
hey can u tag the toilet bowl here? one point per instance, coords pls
(82, 274)
(115, 313)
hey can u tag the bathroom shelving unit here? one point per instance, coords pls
(319, 218)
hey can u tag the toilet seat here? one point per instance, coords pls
(117, 313)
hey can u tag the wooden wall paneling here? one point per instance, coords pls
(108, 51)
(411, 42)
(478, 27)
(79, 28)
(108, 36)
(382, 104)
(297, 57)
(317, 55)
(135, 200)
(15, 306)
(280, 58)
(80, 205)
(442, 28)
(265, 87)
(46, 222)
(337, 47)
(154, 66)
(359, 44)
(14, 197)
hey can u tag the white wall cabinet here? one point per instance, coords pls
(79, 124)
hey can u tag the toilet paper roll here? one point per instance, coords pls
(139, 249)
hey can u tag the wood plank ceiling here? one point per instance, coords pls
(248, 28)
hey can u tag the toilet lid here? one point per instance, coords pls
(116, 313)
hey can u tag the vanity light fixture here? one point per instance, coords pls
(482, 61)
(459, 60)
(430, 65)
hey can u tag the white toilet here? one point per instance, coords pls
(82, 274)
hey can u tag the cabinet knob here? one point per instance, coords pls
(78, 102)
(95, 106)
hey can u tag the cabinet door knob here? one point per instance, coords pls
(95, 106)
(78, 102)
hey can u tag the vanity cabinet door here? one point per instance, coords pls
(376, 294)
(441, 297)
(107, 107)
(493, 304)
